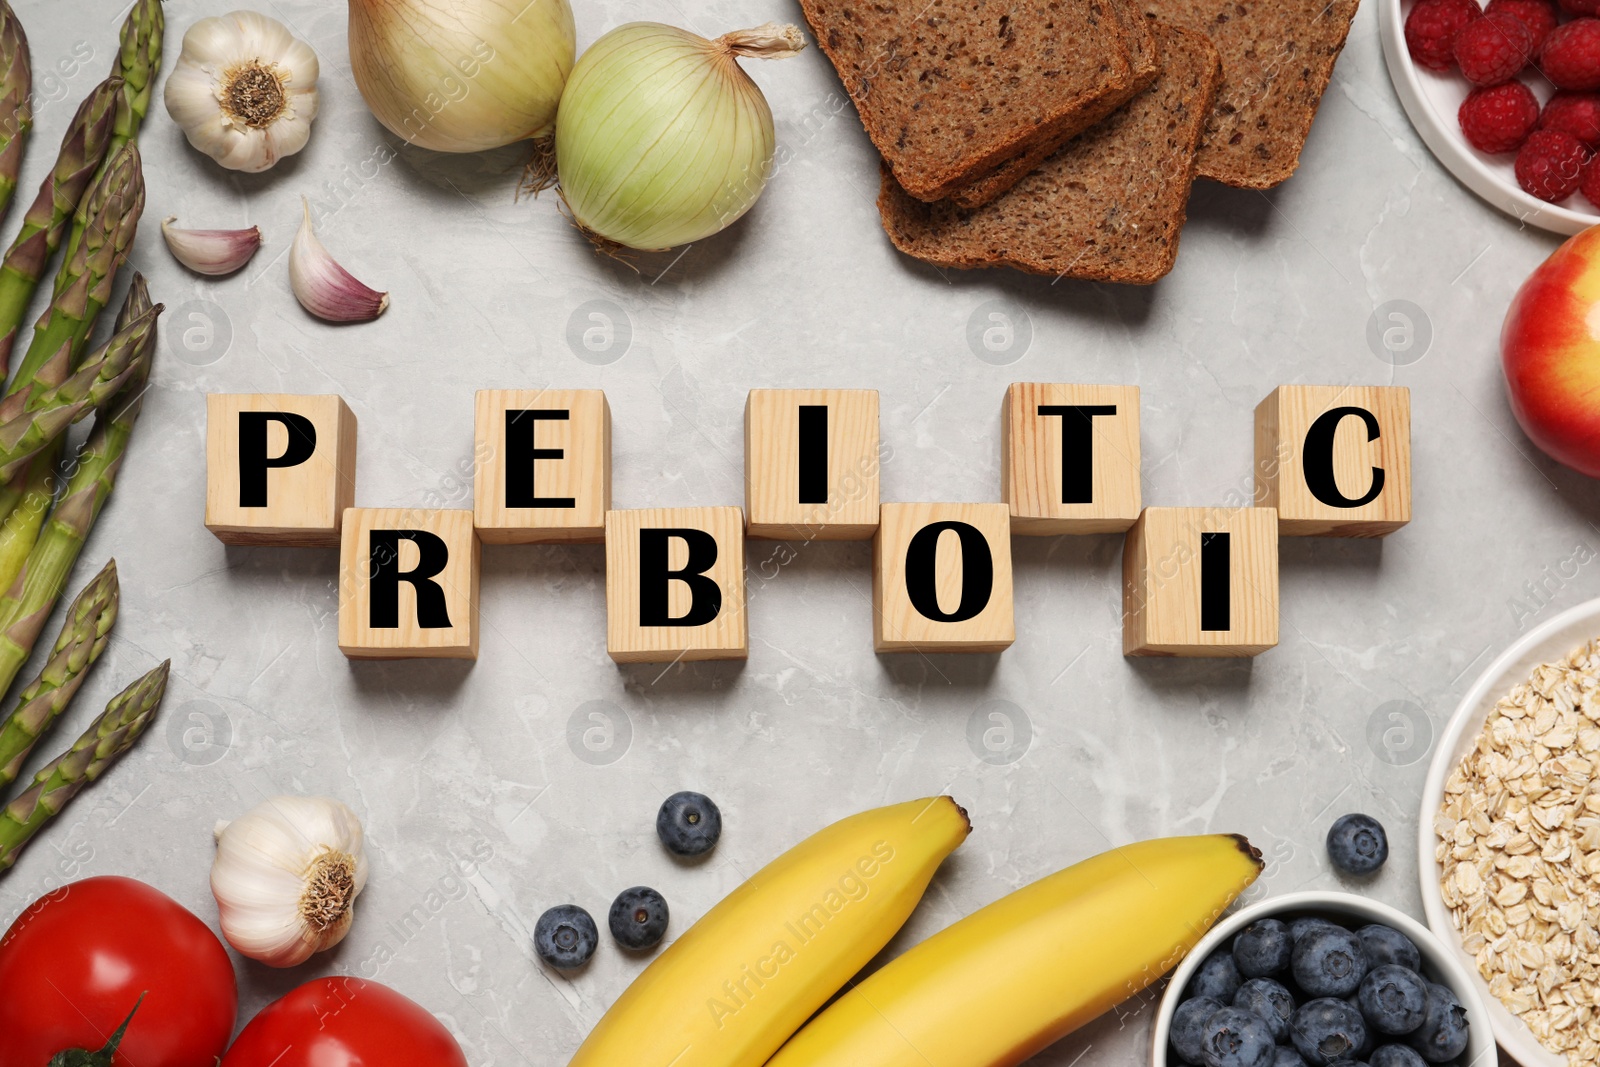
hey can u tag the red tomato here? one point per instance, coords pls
(74, 964)
(344, 1022)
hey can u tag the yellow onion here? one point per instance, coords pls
(462, 75)
(662, 138)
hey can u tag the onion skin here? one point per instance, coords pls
(662, 139)
(462, 75)
(1550, 350)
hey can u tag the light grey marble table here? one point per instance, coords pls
(490, 791)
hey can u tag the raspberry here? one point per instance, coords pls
(1431, 30)
(1550, 164)
(1538, 15)
(1498, 118)
(1571, 55)
(1589, 183)
(1581, 7)
(1576, 113)
(1492, 49)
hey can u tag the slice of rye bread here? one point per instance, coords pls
(948, 90)
(1277, 58)
(1146, 64)
(1107, 207)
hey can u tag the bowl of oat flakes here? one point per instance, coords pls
(1509, 841)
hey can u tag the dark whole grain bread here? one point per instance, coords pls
(1277, 58)
(1146, 63)
(1107, 207)
(948, 90)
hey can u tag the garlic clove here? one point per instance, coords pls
(323, 287)
(211, 252)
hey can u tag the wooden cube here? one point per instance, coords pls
(811, 463)
(280, 470)
(1069, 460)
(1200, 582)
(941, 579)
(543, 465)
(675, 585)
(408, 584)
(1335, 460)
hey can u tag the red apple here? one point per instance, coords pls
(1550, 347)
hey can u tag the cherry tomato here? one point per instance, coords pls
(75, 962)
(344, 1022)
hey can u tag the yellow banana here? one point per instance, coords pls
(737, 983)
(1005, 982)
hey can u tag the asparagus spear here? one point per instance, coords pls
(102, 236)
(83, 149)
(107, 739)
(32, 420)
(83, 637)
(138, 63)
(16, 111)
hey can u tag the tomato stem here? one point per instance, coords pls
(77, 1057)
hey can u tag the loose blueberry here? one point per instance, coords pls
(1217, 978)
(1235, 1038)
(1329, 963)
(1269, 1001)
(688, 824)
(1302, 926)
(1393, 999)
(638, 918)
(1357, 844)
(565, 937)
(1443, 1033)
(1285, 1056)
(1188, 1027)
(1385, 944)
(1262, 949)
(1396, 1056)
(1325, 1031)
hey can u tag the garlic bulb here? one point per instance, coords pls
(211, 252)
(244, 90)
(286, 878)
(663, 138)
(462, 75)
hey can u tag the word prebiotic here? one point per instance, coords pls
(1332, 461)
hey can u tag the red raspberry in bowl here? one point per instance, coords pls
(1494, 48)
(1550, 164)
(1576, 113)
(1581, 7)
(1538, 15)
(1571, 55)
(1589, 182)
(1431, 30)
(1498, 118)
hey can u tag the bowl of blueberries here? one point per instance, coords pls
(1321, 979)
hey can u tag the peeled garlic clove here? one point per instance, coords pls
(211, 252)
(286, 877)
(323, 287)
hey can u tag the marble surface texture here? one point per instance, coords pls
(493, 790)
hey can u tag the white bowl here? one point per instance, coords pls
(1438, 963)
(1431, 101)
(1550, 641)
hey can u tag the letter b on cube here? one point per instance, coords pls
(280, 470)
(408, 584)
(675, 585)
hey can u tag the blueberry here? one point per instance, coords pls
(565, 937)
(638, 918)
(688, 824)
(1385, 944)
(1286, 1056)
(1329, 963)
(1302, 926)
(1357, 844)
(1443, 1033)
(1216, 978)
(1269, 1001)
(1326, 1031)
(1235, 1038)
(1396, 1056)
(1188, 1027)
(1393, 999)
(1262, 949)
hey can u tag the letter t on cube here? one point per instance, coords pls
(1069, 458)
(280, 470)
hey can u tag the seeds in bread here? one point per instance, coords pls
(1277, 59)
(1146, 64)
(1107, 207)
(948, 90)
